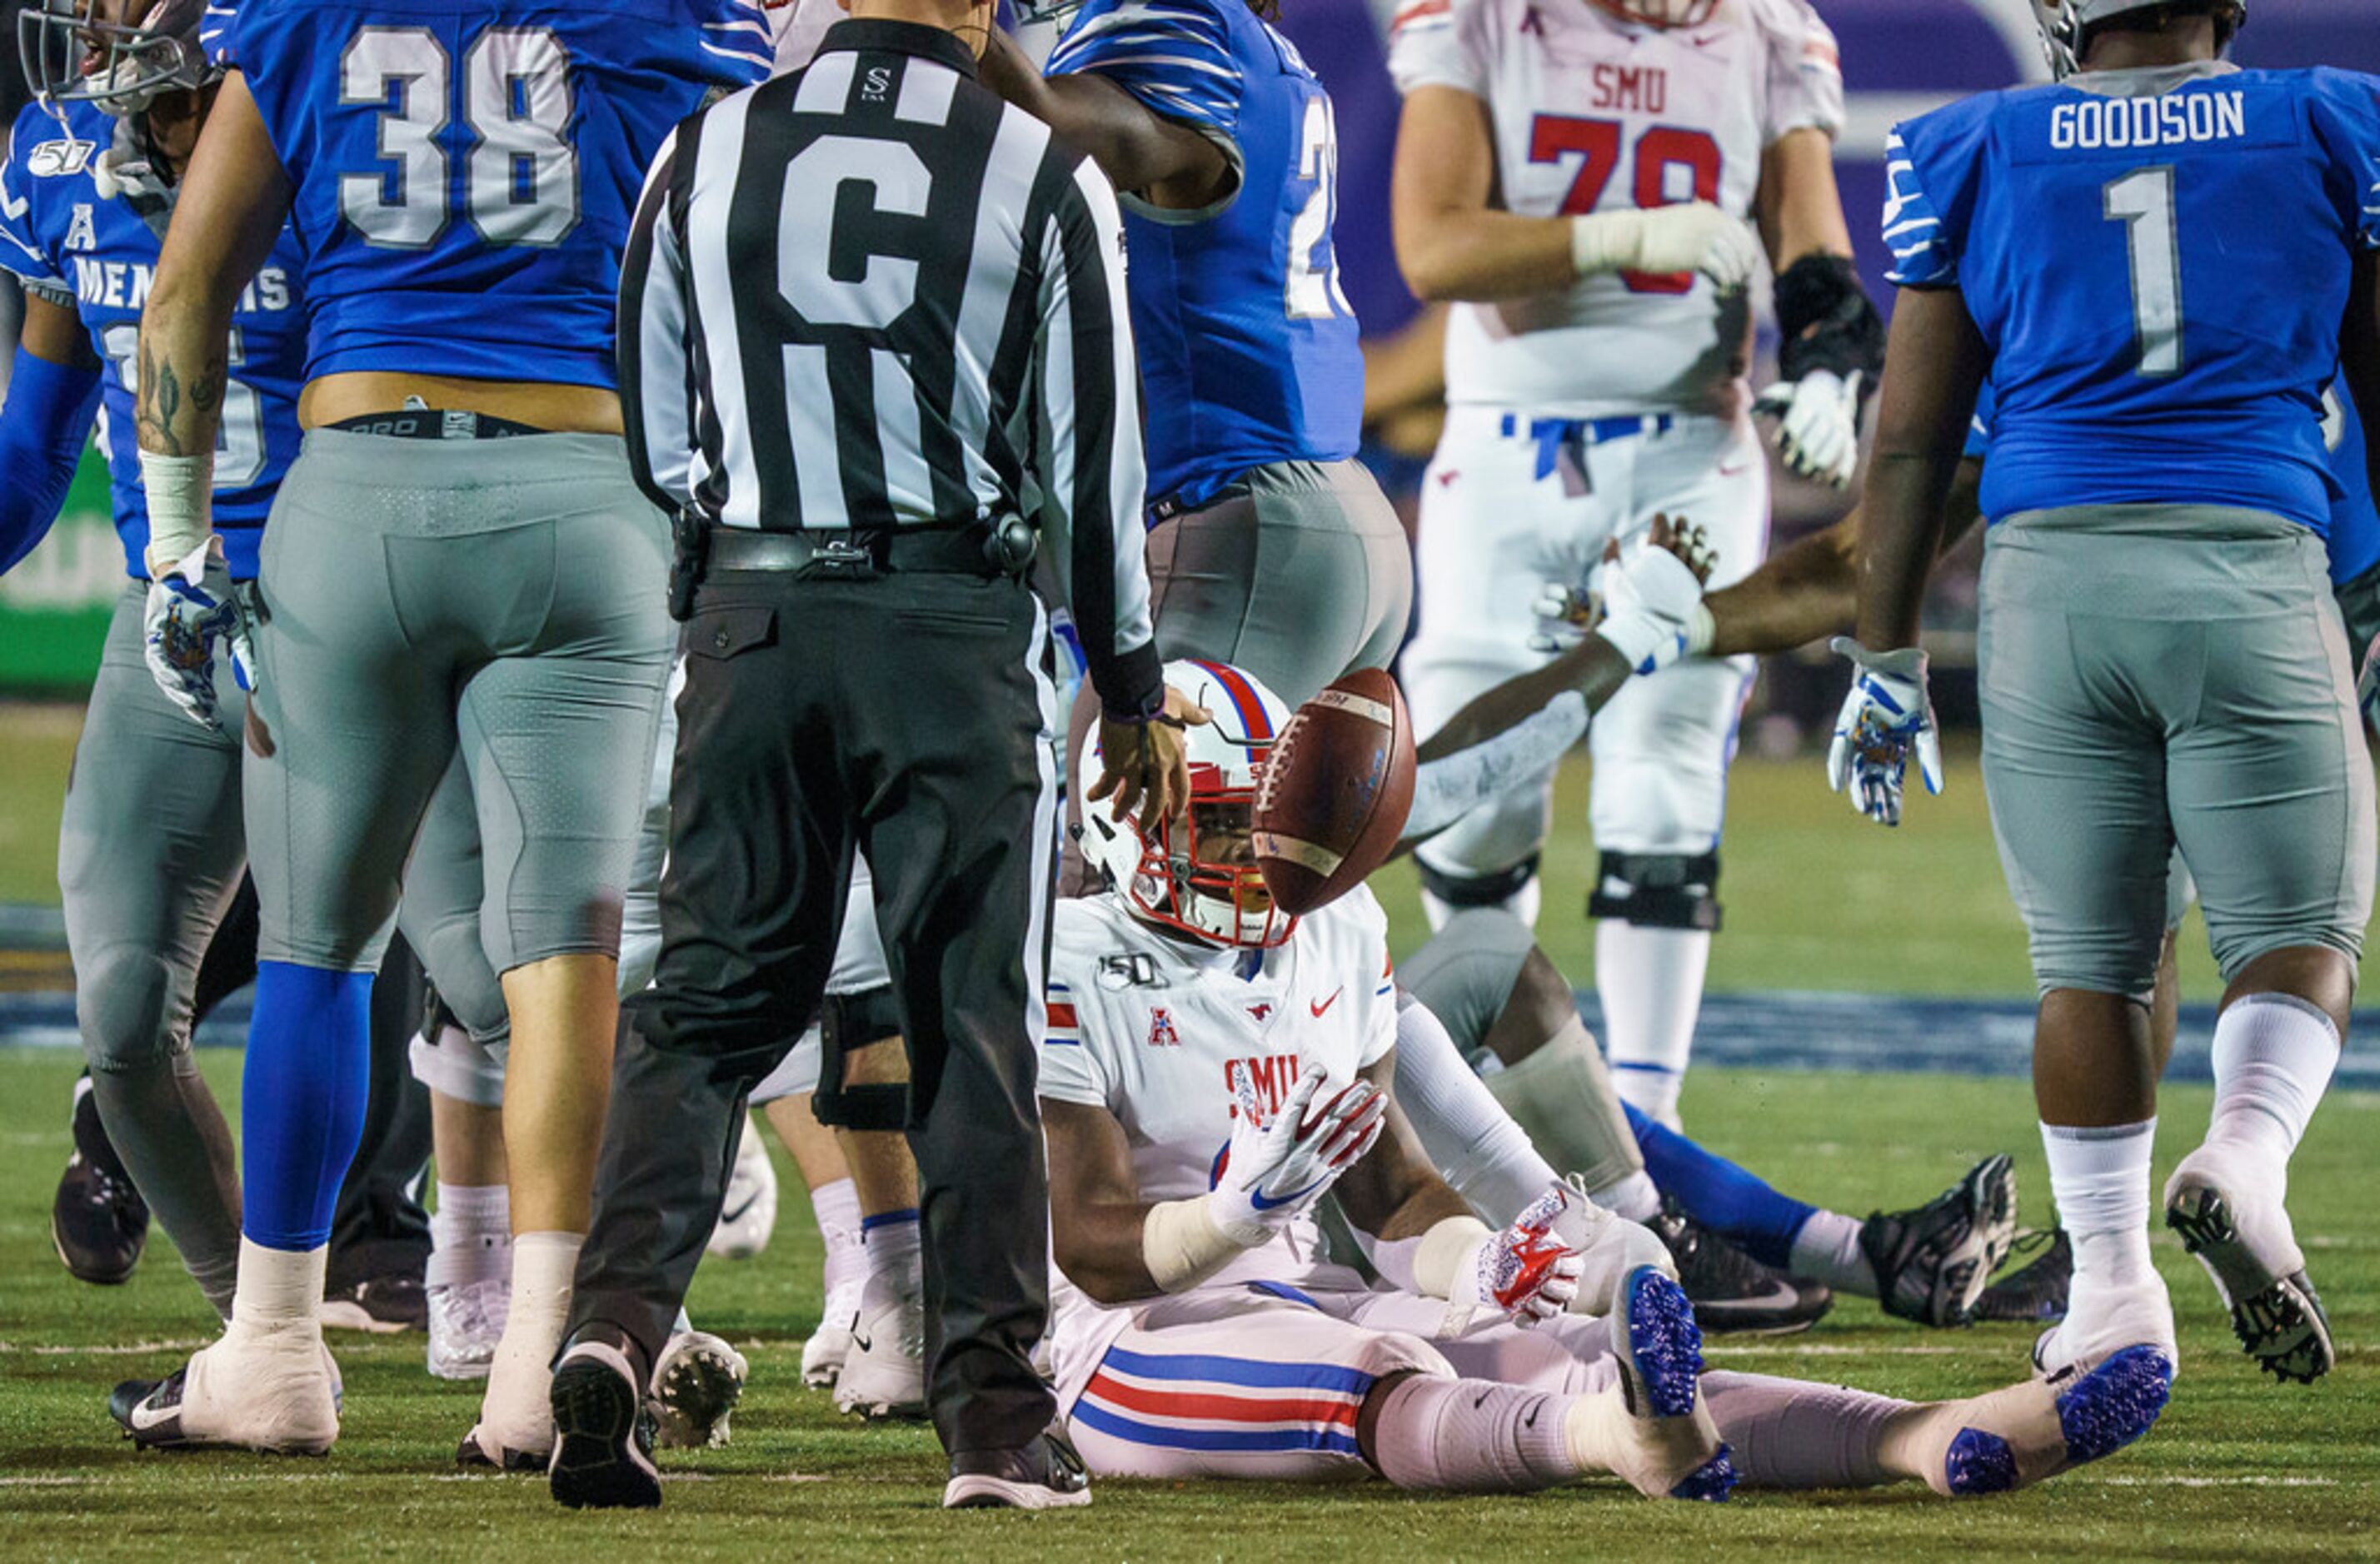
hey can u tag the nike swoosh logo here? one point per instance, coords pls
(862, 1343)
(1318, 1009)
(1257, 1196)
(145, 1419)
(737, 1215)
(1778, 1295)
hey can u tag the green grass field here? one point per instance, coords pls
(2240, 1468)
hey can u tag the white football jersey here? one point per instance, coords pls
(1593, 114)
(1171, 1038)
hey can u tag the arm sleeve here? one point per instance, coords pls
(1070, 1067)
(43, 426)
(1805, 71)
(1087, 386)
(1433, 43)
(1378, 994)
(656, 359)
(2345, 108)
(1475, 1145)
(1174, 57)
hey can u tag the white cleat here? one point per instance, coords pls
(275, 1392)
(515, 1428)
(2015, 1438)
(885, 1372)
(748, 1212)
(829, 1344)
(466, 1320)
(2238, 1226)
(696, 1384)
(2101, 1323)
(1610, 1246)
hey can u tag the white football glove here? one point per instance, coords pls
(1818, 429)
(1651, 602)
(192, 608)
(1691, 237)
(1527, 1273)
(1566, 614)
(1278, 1167)
(1886, 714)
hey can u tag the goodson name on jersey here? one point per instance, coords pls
(2099, 123)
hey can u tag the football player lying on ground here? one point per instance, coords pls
(1214, 1067)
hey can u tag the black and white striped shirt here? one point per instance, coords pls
(870, 295)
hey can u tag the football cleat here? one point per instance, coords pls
(2246, 1246)
(98, 1222)
(1609, 1245)
(697, 1383)
(748, 1215)
(885, 1372)
(1932, 1263)
(1663, 1443)
(1047, 1474)
(2015, 1438)
(466, 1320)
(603, 1434)
(2102, 1323)
(276, 1394)
(2036, 1293)
(1732, 1292)
(829, 1344)
(381, 1305)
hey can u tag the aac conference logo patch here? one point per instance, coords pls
(52, 159)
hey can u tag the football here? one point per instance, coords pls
(1334, 798)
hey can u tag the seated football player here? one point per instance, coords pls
(1213, 1067)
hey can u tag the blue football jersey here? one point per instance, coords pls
(1247, 345)
(466, 170)
(2160, 278)
(65, 238)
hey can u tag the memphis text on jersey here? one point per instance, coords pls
(2100, 123)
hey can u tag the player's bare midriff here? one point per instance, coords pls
(584, 410)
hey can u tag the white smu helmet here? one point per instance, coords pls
(2063, 22)
(1165, 879)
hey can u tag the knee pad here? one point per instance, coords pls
(1466, 972)
(1562, 1098)
(854, 1021)
(1658, 889)
(1461, 888)
(452, 1062)
(124, 1006)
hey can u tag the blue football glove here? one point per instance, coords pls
(193, 611)
(1885, 715)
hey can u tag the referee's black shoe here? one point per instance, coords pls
(99, 1222)
(1046, 1474)
(602, 1435)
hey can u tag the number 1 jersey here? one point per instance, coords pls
(465, 171)
(1591, 113)
(2159, 260)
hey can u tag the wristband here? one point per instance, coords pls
(1701, 630)
(1181, 1246)
(1637, 637)
(180, 491)
(1605, 241)
(1443, 1249)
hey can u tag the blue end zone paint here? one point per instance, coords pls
(1876, 1033)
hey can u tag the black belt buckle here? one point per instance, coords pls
(842, 559)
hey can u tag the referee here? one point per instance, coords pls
(870, 317)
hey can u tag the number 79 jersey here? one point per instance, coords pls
(1590, 112)
(2159, 261)
(466, 171)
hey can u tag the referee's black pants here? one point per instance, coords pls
(904, 716)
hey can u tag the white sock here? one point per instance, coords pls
(2100, 1179)
(1651, 984)
(1636, 1197)
(2274, 1055)
(892, 1248)
(280, 1290)
(544, 1264)
(836, 1207)
(1827, 1249)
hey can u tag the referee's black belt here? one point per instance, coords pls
(913, 551)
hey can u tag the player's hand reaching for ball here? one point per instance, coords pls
(1280, 1164)
(1142, 767)
(1652, 588)
(1886, 715)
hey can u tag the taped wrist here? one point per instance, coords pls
(1443, 1249)
(180, 491)
(1606, 241)
(1827, 321)
(1181, 1246)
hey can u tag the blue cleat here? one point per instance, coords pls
(1670, 1444)
(2013, 1439)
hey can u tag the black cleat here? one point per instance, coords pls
(2278, 1318)
(2035, 1295)
(1734, 1294)
(99, 1222)
(602, 1435)
(149, 1411)
(1046, 1474)
(382, 1306)
(1932, 1263)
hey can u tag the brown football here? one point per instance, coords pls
(1334, 798)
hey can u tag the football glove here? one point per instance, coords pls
(1527, 1272)
(1278, 1166)
(1566, 614)
(1817, 432)
(1651, 598)
(192, 611)
(1885, 715)
(1690, 236)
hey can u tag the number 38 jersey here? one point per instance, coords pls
(2158, 261)
(1176, 1040)
(466, 171)
(96, 254)
(1590, 113)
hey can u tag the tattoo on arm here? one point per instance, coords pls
(178, 420)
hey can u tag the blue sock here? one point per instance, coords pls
(1720, 1195)
(302, 1100)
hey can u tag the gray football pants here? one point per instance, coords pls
(2156, 676)
(497, 598)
